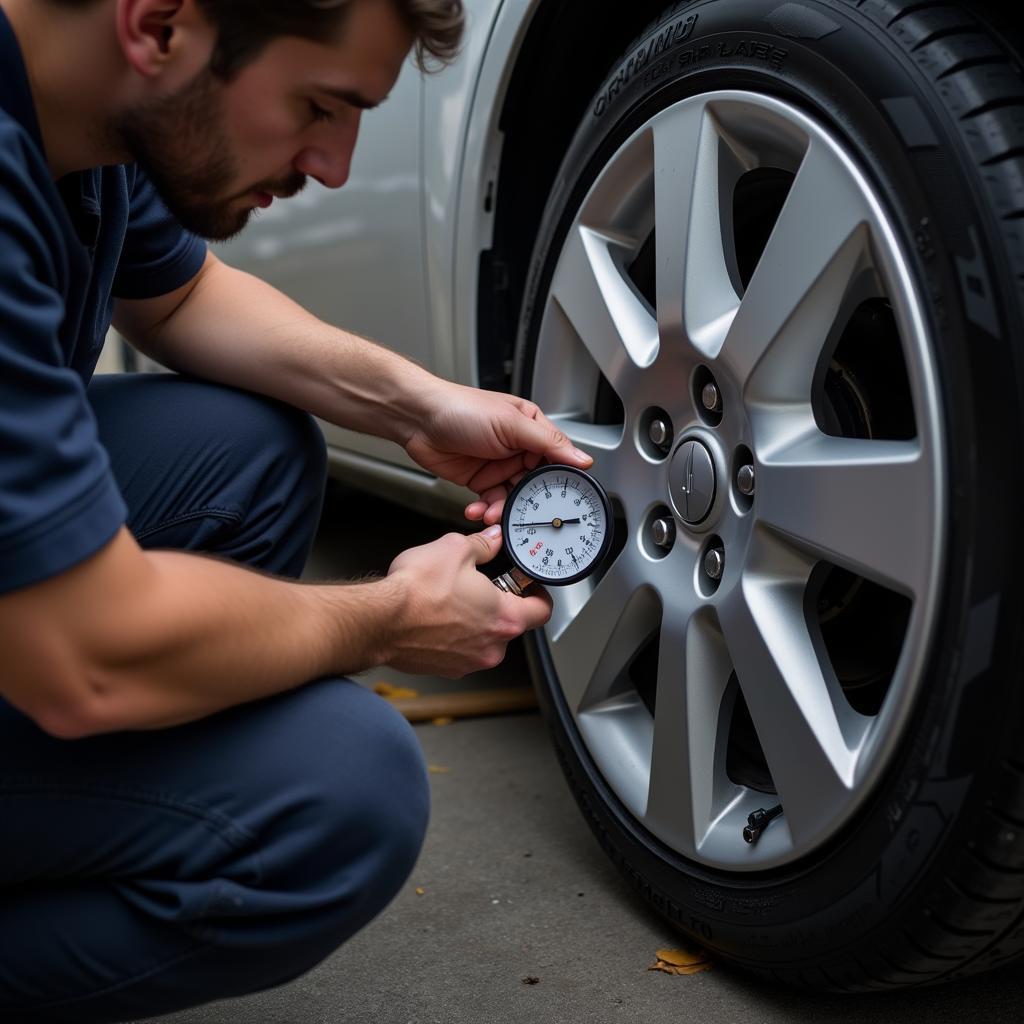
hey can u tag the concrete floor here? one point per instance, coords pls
(514, 886)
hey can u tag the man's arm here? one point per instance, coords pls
(141, 640)
(230, 327)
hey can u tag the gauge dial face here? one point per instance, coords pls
(557, 524)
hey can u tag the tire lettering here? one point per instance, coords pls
(642, 57)
(693, 55)
(774, 56)
(756, 49)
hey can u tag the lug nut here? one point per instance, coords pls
(659, 433)
(714, 563)
(711, 398)
(745, 480)
(663, 532)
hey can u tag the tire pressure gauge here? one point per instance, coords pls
(557, 528)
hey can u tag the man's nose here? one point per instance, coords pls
(329, 158)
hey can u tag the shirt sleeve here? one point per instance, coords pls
(59, 502)
(159, 255)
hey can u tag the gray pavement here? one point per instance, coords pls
(514, 886)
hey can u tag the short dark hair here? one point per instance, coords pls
(244, 28)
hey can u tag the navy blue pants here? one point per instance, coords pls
(145, 872)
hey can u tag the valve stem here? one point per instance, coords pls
(757, 822)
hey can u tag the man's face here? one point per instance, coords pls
(216, 151)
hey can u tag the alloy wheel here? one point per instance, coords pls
(732, 332)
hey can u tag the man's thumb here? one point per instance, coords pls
(548, 441)
(486, 544)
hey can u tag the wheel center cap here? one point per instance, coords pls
(691, 482)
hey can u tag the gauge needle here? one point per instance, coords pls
(552, 522)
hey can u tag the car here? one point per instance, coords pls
(764, 260)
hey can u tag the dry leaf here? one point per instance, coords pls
(437, 769)
(392, 692)
(680, 961)
(444, 720)
(680, 957)
(665, 968)
(420, 891)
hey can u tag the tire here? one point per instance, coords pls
(816, 208)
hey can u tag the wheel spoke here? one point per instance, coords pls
(591, 652)
(614, 324)
(818, 244)
(793, 706)
(696, 296)
(602, 442)
(693, 670)
(863, 505)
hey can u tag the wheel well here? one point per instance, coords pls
(565, 56)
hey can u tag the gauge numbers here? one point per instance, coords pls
(556, 525)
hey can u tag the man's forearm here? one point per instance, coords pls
(175, 637)
(235, 329)
(228, 635)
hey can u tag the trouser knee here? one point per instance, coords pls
(352, 813)
(214, 469)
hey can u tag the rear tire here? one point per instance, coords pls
(914, 874)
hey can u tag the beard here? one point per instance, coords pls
(179, 141)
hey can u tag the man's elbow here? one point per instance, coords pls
(63, 724)
(80, 709)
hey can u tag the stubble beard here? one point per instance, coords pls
(179, 142)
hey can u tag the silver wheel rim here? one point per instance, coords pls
(874, 507)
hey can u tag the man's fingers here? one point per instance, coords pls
(542, 437)
(495, 474)
(493, 512)
(486, 544)
(493, 503)
(536, 607)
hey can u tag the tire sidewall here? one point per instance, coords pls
(928, 805)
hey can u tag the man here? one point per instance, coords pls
(193, 802)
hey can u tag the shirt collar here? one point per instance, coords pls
(15, 91)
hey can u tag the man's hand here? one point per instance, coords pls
(487, 441)
(454, 620)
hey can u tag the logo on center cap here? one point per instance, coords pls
(692, 482)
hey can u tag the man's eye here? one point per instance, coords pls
(319, 114)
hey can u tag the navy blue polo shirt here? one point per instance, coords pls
(66, 250)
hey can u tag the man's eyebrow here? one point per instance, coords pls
(349, 96)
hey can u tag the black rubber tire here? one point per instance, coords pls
(928, 883)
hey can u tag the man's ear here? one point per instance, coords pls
(171, 38)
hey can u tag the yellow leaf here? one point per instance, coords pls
(680, 961)
(420, 890)
(680, 957)
(673, 969)
(392, 692)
